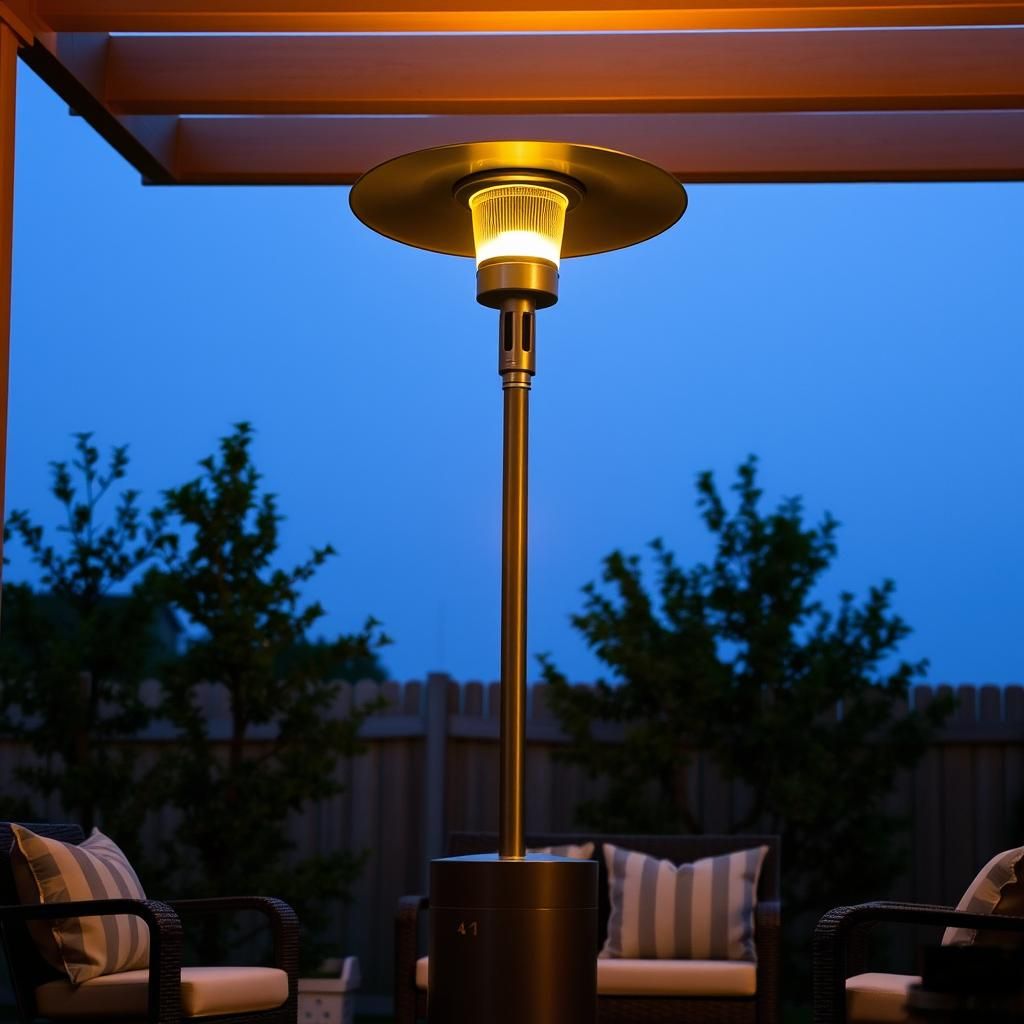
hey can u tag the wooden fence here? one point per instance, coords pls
(432, 767)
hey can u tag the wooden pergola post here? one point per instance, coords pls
(9, 43)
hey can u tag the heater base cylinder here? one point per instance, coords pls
(513, 941)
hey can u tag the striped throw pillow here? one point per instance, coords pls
(584, 851)
(49, 871)
(997, 889)
(698, 911)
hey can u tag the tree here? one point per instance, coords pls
(738, 660)
(283, 741)
(73, 654)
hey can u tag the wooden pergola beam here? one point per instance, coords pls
(767, 147)
(507, 16)
(860, 69)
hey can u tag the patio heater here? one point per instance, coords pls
(513, 936)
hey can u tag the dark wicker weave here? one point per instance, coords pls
(29, 970)
(840, 944)
(410, 1003)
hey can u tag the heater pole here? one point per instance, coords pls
(516, 364)
(513, 619)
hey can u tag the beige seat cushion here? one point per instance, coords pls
(204, 991)
(878, 998)
(662, 977)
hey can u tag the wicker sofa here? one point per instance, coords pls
(615, 1006)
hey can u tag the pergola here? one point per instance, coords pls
(263, 92)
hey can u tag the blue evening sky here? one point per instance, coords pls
(865, 341)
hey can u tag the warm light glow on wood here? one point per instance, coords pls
(721, 90)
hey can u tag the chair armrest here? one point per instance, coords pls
(406, 954)
(409, 908)
(164, 993)
(838, 928)
(284, 925)
(768, 942)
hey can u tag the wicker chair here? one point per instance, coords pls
(762, 1008)
(840, 953)
(28, 970)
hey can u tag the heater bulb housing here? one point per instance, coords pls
(518, 222)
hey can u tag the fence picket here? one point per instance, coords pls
(990, 831)
(957, 801)
(928, 817)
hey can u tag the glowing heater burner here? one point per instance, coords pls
(524, 221)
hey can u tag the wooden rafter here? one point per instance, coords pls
(508, 16)
(776, 147)
(862, 69)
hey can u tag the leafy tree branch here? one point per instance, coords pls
(736, 659)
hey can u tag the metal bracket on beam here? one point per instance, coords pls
(18, 24)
